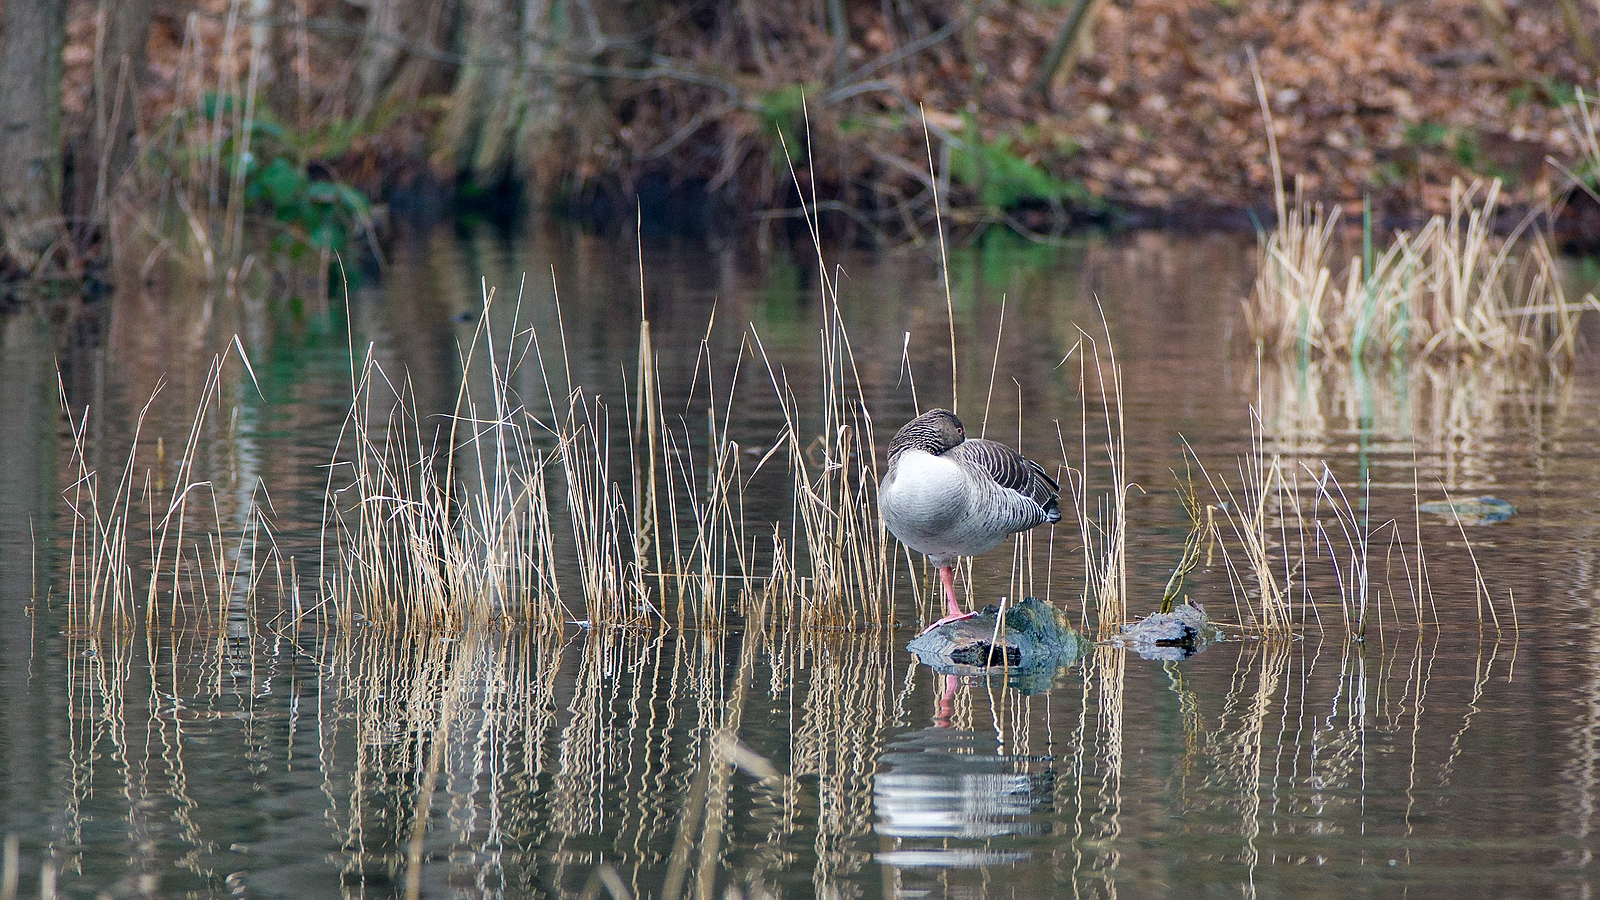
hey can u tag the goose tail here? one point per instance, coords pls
(1052, 511)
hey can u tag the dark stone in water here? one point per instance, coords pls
(983, 653)
(1030, 644)
(1178, 634)
(1471, 510)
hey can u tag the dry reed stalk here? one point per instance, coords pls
(456, 526)
(1450, 289)
(1102, 518)
(469, 507)
(1354, 577)
(1287, 308)
(612, 582)
(835, 520)
(717, 557)
(1583, 122)
(186, 551)
(1259, 518)
(1272, 519)
(1450, 409)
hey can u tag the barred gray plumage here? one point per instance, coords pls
(948, 497)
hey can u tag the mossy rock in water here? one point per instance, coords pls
(1471, 510)
(1178, 634)
(1032, 641)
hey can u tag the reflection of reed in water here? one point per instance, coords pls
(131, 708)
(1288, 756)
(1228, 765)
(1452, 414)
(847, 704)
(1097, 767)
(1582, 771)
(419, 723)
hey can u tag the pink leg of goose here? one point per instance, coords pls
(952, 606)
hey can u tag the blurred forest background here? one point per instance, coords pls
(217, 126)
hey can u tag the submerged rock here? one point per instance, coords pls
(1031, 640)
(1178, 634)
(1483, 510)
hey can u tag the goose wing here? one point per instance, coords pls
(1009, 469)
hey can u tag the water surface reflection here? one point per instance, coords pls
(699, 763)
(236, 755)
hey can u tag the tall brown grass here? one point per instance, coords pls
(1451, 288)
(483, 518)
(457, 524)
(1286, 524)
(1101, 515)
(157, 540)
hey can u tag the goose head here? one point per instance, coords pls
(935, 431)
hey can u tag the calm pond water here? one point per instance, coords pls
(263, 761)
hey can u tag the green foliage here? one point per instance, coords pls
(1462, 145)
(1434, 139)
(782, 111)
(784, 108)
(1427, 134)
(1586, 273)
(1552, 93)
(1004, 179)
(315, 215)
(1557, 94)
(1388, 173)
(273, 164)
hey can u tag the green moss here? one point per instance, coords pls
(1005, 179)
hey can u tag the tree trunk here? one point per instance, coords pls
(388, 71)
(30, 123)
(510, 110)
(473, 137)
(119, 72)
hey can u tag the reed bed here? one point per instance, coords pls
(483, 517)
(460, 524)
(1286, 524)
(160, 539)
(663, 540)
(410, 549)
(508, 510)
(1102, 518)
(835, 527)
(494, 757)
(1451, 288)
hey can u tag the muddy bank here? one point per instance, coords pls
(1037, 116)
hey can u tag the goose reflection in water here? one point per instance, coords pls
(939, 783)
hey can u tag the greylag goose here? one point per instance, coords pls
(947, 497)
